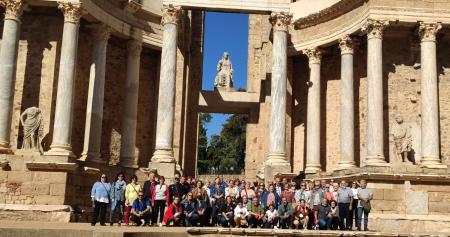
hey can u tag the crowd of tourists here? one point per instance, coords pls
(318, 205)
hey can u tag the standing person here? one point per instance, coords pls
(256, 213)
(176, 189)
(117, 197)
(248, 191)
(174, 213)
(100, 199)
(149, 185)
(364, 195)
(217, 194)
(354, 203)
(345, 200)
(131, 193)
(271, 197)
(160, 199)
(287, 193)
(186, 187)
(231, 190)
(278, 186)
(140, 210)
(317, 195)
(300, 194)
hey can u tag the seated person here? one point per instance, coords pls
(226, 213)
(271, 217)
(256, 213)
(191, 217)
(140, 210)
(334, 214)
(301, 217)
(174, 213)
(285, 211)
(324, 215)
(240, 215)
(204, 212)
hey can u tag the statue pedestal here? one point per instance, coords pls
(227, 89)
(164, 169)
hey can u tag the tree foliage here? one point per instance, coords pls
(225, 153)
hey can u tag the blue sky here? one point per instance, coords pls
(224, 32)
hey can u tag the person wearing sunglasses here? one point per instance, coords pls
(140, 210)
(100, 199)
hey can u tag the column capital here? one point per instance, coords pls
(72, 11)
(280, 20)
(347, 44)
(170, 14)
(13, 9)
(101, 32)
(428, 31)
(375, 28)
(134, 48)
(314, 55)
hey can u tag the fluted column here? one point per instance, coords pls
(277, 125)
(347, 128)
(8, 62)
(166, 98)
(429, 96)
(374, 143)
(130, 108)
(62, 130)
(94, 108)
(313, 112)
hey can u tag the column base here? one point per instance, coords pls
(432, 162)
(128, 162)
(375, 161)
(5, 148)
(345, 165)
(163, 156)
(313, 168)
(60, 150)
(276, 164)
(93, 157)
(167, 170)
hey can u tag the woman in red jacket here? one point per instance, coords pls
(174, 214)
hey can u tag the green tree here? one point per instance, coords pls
(203, 165)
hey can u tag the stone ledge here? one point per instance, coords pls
(52, 166)
(41, 208)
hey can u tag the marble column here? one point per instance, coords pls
(429, 96)
(62, 129)
(347, 127)
(277, 126)
(130, 109)
(313, 112)
(94, 107)
(374, 142)
(166, 98)
(8, 61)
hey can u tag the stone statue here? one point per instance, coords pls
(224, 77)
(402, 138)
(33, 128)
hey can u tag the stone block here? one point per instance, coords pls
(394, 195)
(42, 189)
(436, 196)
(57, 189)
(19, 177)
(49, 200)
(49, 177)
(416, 202)
(164, 169)
(3, 176)
(440, 207)
(27, 189)
(382, 205)
(378, 194)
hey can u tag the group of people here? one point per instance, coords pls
(236, 203)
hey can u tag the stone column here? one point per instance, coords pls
(130, 108)
(94, 108)
(347, 129)
(166, 98)
(62, 130)
(374, 143)
(276, 161)
(8, 61)
(313, 112)
(429, 97)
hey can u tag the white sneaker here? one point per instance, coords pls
(160, 224)
(275, 227)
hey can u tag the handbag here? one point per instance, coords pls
(366, 206)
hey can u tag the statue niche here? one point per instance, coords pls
(33, 128)
(224, 77)
(401, 134)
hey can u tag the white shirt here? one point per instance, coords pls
(234, 191)
(271, 214)
(355, 193)
(238, 211)
(160, 192)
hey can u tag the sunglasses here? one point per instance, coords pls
(103, 177)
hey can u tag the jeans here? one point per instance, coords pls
(325, 223)
(254, 222)
(138, 219)
(159, 207)
(192, 220)
(359, 217)
(99, 209)
(344, 214)
(224, 222)
(116, 205)
(353, 212)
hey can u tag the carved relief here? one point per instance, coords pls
(280, 21)
(72, 11)
(375, 28)
(346, 44)
(314, 55)
(428, 31)
(224, 77)
(170, 14)
(401, 136)
(14, 8)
